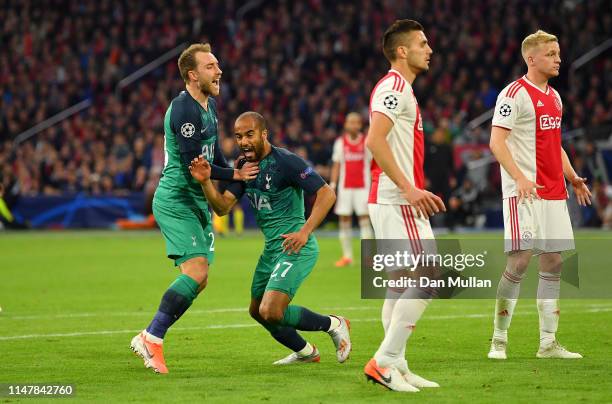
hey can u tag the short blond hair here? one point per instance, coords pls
(353, 114)
(535, 39)
(187, 60)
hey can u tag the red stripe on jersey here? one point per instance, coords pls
(512, 87)
(398, 83)
(375, 172)
(515, 90)
(418, 150)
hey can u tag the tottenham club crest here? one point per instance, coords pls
(505, 110)
(268, 179)
(390, 101)
(187, 129)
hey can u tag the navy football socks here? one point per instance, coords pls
(174, 304)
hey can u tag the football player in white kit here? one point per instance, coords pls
(526, 140)
(399, 205)
(351, 174)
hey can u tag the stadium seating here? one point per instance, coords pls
(303, 65)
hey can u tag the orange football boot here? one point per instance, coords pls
(343, 262)
(152, 354)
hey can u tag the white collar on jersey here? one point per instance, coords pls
(536, 87)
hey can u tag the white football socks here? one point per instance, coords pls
(152, 338)
(508, 291)
(345, 235)
(335, 323)
(405, 314)
(307, 350)
(548, 306)
(387, 309)
(365, 230)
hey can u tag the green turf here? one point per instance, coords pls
(79, 297)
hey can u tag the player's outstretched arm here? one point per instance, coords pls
(325, 199)
(425, 203)
(583, 195)
(200, 170)
(499, 148)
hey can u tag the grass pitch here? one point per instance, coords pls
(73, 300)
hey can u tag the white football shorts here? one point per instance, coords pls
(540, 225)
(351, 200)
(400, 222)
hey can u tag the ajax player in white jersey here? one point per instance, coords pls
(351, 173)
(526, 140)
(399, 206)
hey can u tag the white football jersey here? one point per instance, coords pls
(355, 159)
(393, 96)
(534, 118)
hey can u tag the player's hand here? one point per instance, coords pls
(294, 241)
(426, 203)
(583, 195)
(526, 189)
(200, 169)
(248, 172)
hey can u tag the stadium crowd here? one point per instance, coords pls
(303, 65)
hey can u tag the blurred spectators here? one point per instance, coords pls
(439, 164)
(303, 65)
(463, 206)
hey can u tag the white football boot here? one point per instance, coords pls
(412, 378)
(342, 339)
(554, 350)
(498, 349)
(294, 358)
(389, 377)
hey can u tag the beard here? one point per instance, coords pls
(259, 151)
(207, 88)
(255, 152)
